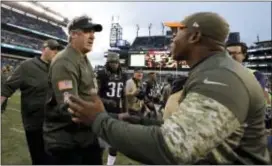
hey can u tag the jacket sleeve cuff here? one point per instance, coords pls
(5, 92)
(96, 125)
(113, 115)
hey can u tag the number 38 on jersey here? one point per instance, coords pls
(115, 89)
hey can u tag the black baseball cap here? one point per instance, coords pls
(52, 44)
(84, 23)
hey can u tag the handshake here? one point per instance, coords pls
(85, 112)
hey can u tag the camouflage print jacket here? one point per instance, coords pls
(220, 120)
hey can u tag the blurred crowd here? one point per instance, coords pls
(9, 37)
(9, 63)
(163, 60)
(6, 70)
(12, 17)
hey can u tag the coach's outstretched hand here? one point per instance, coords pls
(85, 111)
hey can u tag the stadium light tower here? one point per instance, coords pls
(116, 32)
(149, 29)
(137, 29)
(112, 19)
(258, 38)
(162, 28)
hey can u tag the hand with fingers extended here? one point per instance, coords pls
(85, 111)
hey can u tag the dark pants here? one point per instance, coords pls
(4, 105)
(36, 147)
(112, 151)
(91, 155)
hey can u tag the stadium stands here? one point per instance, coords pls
(20, 43)
(151, 42)
(260, 57)
(12, 17)
(20, 40)
(156, 52)
(10, 61)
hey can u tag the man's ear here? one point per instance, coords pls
(244, 57)
(43, 48)
(73, 34)
(194, 37)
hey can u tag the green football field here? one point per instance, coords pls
(13, 144)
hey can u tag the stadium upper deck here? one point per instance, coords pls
(25, 20)
(260, 57)
(24, 30)
(153, 53)
(144, 43)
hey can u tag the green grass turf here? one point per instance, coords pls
(14, 150)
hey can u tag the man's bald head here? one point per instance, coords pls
(205, 29)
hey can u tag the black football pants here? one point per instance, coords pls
(112, 151)
(36, 147)
(91, 155)
(4, 105)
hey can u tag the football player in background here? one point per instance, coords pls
(152, 95)
(111, 82)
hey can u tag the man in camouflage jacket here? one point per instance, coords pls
(220, 118)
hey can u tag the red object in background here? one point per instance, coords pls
(162, 59)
